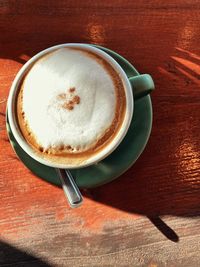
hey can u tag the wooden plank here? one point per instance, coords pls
(150, 215)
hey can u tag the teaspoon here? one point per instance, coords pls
(70, 188)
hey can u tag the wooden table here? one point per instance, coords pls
(150, 215)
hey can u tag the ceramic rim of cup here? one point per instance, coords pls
(108, 149)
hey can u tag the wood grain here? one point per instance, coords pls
(150, 215)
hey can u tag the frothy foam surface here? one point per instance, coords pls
(69, 100)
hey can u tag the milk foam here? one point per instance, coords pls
(68, 99)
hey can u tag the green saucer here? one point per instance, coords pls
(115, 164)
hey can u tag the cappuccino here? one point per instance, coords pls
(71, 103)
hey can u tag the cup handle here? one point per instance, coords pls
(142, 85)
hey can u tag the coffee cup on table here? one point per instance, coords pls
(71, 105)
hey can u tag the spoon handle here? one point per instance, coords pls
(70, 188)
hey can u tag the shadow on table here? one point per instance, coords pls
(12, 256)
(153, 197)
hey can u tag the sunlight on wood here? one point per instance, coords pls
(191, 77)
(2, 101)
(96, 33)
(187, 63)
(193, 55)
(24, 57)
(168, 74)
(186, 35)
(188, 159)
